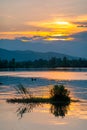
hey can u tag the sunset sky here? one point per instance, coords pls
(42, 19)
(44, 25)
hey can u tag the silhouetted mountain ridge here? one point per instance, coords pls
(30, 55)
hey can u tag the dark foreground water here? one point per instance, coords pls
(43, 116)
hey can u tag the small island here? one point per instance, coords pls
(58, 94)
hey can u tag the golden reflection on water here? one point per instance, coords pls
(31, 116)
(52, 75)
(43, 116)
(78, 110)
(73, 110)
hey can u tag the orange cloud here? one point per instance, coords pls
(54, 29)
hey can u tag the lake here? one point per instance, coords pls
(43, 116)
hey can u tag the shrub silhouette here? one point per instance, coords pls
(59, 93)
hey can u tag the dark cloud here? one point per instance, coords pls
(41, 38)
(33, 38)
(81, 36)
(81, 24)
(85, 23)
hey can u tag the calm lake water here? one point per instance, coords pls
(43, 116)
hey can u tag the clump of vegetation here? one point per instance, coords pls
(59, 93)
(59, 100)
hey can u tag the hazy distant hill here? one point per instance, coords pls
(29, 55)
(72, 48)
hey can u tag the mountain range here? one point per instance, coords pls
(30, 55)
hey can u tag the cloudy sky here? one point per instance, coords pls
(50, 19)
(45, 21)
